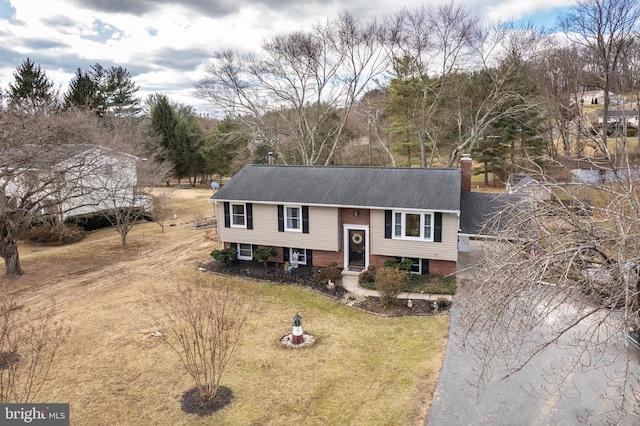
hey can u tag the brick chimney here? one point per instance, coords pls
(465, 168)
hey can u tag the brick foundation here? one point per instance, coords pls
(378, 260)
(324, 258)
(442, 267)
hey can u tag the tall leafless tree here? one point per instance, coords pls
(503, 54)
(560, 73)
(606, 30)
(298, 92)
(426, 47)
(39, 155)
(51, 165)
(563, 273)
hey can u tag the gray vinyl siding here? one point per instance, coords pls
(445, 250)
(323, 229)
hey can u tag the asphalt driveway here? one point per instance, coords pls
(518, 400)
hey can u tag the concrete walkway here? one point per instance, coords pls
(350, 282)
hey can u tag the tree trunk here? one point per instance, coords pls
(12, 260)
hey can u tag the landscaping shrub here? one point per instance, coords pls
(262, 254)
(404, 265)
(330, 272)
(90, 222)
(368, 276)
(389, 283)
(431, 284)
(227, 255)
(54, 233)
(443, 303)
(101, 220)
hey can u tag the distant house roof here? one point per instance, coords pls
(476, 208)
(519, 181)
(381, 187)
(36, 157)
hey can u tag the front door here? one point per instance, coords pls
(357, 247)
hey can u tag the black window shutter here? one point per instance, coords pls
(280, 218)
(388, 223)
(249, 211)
(437, 231)
(305, 219)
(425, 266)
(309, 261)
(227, 215)
(285, 254)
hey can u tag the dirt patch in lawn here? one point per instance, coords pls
(310, 276)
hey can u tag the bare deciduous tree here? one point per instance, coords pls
(426, 47)
(606, 30)
(43, 159)
(57, 165)
(130, 168)
(560, 73)
(203, 326)
(371, 108)
(503, 54)
(29, 341)
(563, 273)
(296, 96)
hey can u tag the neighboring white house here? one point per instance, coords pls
(596, 97)
(596, 176)
(620, 117)
(71, 180)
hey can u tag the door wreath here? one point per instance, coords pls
(356, 238)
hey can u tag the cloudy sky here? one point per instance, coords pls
(164, 43)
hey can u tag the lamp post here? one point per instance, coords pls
(297, 337)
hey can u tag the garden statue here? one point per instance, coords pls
(294, 262)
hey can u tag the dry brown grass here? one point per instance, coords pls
(363, 370)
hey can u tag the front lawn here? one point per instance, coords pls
(113, 369)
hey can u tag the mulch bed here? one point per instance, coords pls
(309, 276)
(192, 402)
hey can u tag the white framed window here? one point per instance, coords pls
(245, 251)
(302, 255)
(293, 218)
(238, 216)
(410, 225)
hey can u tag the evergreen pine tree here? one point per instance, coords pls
(32, 90)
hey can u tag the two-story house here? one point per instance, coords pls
(68, 180)
(353, 216)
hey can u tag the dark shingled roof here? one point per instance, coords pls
(478, 207)
(433, 189)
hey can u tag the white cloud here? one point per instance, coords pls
(164, 48)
